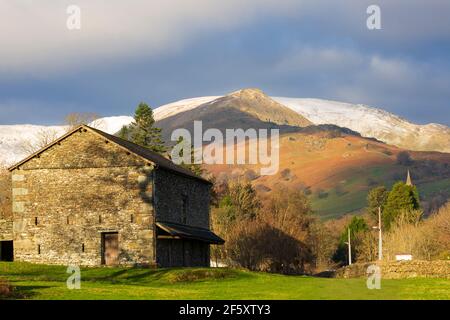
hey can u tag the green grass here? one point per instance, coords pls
(355, 189)
(49, 282)
(429, 188)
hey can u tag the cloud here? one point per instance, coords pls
(401, 84)
(35, 39)
(34, 36)
(323, 59)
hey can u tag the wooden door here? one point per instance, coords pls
(110, 248)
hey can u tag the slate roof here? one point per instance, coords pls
(183, 231)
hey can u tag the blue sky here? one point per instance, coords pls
(162, 51)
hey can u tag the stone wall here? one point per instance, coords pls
(171, 190)
(5, 205)
(64, 199)
(6, 228)
(399, 269)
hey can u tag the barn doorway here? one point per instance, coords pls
(110, 248)
(6, 251)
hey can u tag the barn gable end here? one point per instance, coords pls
(81, 148)
(69, 195)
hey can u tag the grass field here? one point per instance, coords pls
(49, 282)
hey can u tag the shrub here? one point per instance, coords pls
(404, 158)
(6, 290)
(322, 194)
(426, 240)
(259, 246)
(188, 275)
(277, 239)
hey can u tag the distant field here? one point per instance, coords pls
(427, 189)
(351, 195)
(49, 282)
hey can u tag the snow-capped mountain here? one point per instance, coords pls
(373, 122)
(174, 108)
(368, 121)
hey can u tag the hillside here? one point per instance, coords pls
(337, 170)
(373, 122)
(368, 121)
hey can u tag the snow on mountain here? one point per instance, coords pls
(174, 108)
(111, 125)
(17, 140)
(373, 122)
(370, 122)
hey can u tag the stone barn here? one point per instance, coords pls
(91, 198)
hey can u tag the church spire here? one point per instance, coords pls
(409, 180)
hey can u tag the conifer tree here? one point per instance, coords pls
(143, 131)
(402, 197)
(376, 198)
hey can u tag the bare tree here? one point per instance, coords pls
(43, 138)
(74, 119)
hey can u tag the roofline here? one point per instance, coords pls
(83, 126)
(36, 153)
(196, 177)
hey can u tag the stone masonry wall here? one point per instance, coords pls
(6, 228)
(399, 269)
(170, 190)
(5, 206)
(65, 198)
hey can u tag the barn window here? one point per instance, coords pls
(39, 249)
(36, 221)
(99, 219)
(131, 218)
(68, 220)
(82, 247)
(184, 210)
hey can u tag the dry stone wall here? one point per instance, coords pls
(400, 269)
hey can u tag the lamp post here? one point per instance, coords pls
(380, 238)
(349, 244)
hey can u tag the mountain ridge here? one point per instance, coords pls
(368, 121)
